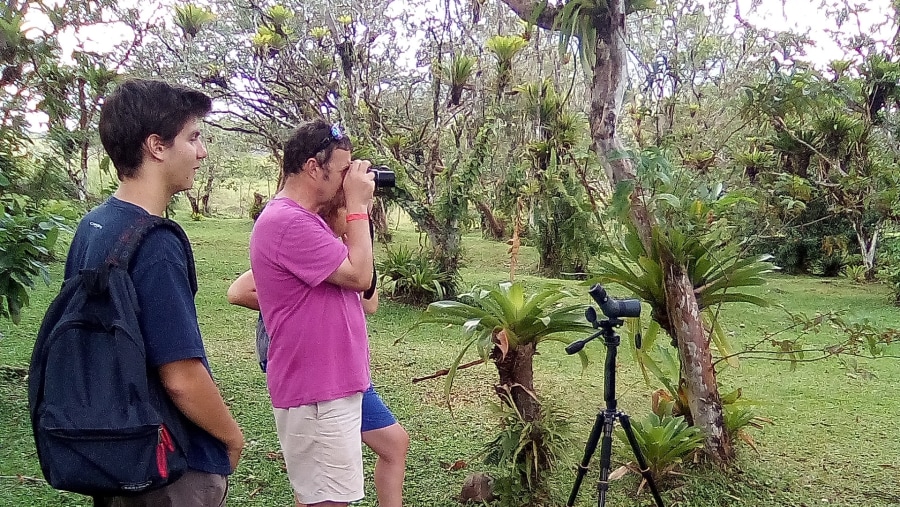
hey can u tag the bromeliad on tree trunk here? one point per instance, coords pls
(506, 325)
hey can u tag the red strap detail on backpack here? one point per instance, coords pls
(165, 446)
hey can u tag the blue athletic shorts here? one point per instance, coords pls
(375, 414)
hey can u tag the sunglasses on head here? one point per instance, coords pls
(334, 134)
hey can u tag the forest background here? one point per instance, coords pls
(679, 151)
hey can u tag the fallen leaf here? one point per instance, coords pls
(618, 473)
(456, 465)
(749, 440)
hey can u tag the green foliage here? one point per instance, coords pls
(561, 207)
(412, 277)
(820, 241)
(458, 72)
(528, 451)
(890, 269)
(192, 18)
(27, 237)
(505, 48)
(579, 19)
(738, 416)
(664, 441)
(655, 357)
(268, 42)
(692, 225)
(856, 272)
(576, 21)
(319, 33)
(837, 156)
(279, 15)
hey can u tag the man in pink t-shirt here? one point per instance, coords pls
(308, 284)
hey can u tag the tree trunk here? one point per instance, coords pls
(81, 183)
(195, 204)
(607, 92)
(493, 227)
(867, 246)
(447, 247)
(516, 376)
(207, 191)
(697, 371)
(379, 220)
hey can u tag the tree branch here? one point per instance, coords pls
(441, 373)
(541, 13)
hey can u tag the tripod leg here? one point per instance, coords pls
(589, 449)
(605, 457)
(645, 471)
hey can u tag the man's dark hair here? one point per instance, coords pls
(139, 108)
(313, 139)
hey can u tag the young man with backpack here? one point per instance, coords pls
(151, 131)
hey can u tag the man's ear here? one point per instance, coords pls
(155, 147)
(311, 166)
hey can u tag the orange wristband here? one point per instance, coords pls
(357, 216)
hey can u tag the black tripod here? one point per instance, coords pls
(606, 418)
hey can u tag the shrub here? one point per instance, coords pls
(889, 264)
(413, 278)
(665, 441)
(27, 237)
(857, 273)
(528, 451)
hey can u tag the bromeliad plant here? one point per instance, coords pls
(505, 325)
(528, 449)
(665, 441)
(694, 227)
(411, 277)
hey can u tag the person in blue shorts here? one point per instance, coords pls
(380, 430)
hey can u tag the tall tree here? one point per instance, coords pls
(600, 27)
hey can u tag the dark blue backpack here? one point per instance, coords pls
(103, 424)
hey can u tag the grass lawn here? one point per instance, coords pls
(833, 442)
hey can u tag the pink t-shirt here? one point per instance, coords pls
(319, 347)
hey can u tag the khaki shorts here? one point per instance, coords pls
(323, 449)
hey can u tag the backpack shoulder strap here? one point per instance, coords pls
(131, 239)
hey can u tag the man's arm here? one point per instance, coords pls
(356, 271)
(193, 391)
(242, 292)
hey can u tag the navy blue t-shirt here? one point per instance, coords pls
(168, 316)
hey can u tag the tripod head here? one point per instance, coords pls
(615, 310)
